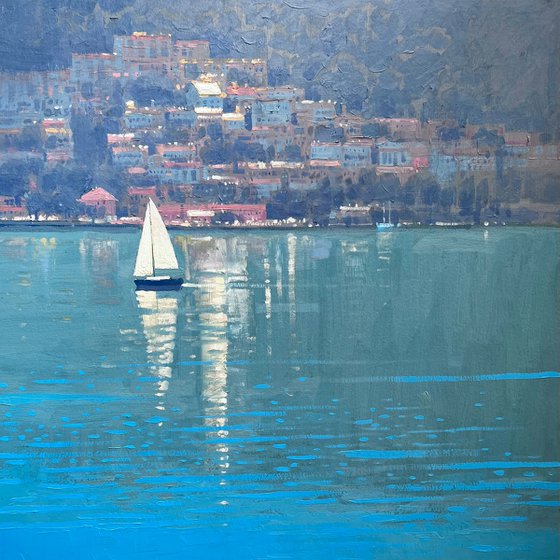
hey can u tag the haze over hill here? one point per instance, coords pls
(477, 61)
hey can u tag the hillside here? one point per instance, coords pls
(478, 60)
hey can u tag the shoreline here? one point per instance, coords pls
(64, 224)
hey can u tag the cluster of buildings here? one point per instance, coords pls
(220, 131)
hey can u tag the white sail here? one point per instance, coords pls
(164, 254)
(144, 258)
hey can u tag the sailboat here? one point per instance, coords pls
(156, 263)
(385, 224)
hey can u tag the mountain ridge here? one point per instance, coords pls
(479, 61)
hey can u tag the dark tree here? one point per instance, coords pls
(293, 152)
(430, 193)
(30, 138)
(214, 132)
(90, 137)
(446, 199)
(466, 197)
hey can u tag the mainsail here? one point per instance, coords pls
(155, 251)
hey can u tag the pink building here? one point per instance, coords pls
(104, 202)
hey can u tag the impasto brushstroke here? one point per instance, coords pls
(276, 280)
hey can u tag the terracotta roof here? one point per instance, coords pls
(128, 149)
(142, 191)
(96, 195)
(8, 209)
(240, 90)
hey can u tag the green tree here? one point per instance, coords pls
(430, 193)
(466, 197)
(446, 199)
(293, 152)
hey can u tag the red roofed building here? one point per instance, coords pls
(9, 211)
(137, 171)
(241, 91)
(142, 192)
(104, 202)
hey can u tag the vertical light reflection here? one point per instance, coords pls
(292, 245)
(44, 251)
(279, 275)
(384, 242)
(208, 259)
(237, 293)
(159, 322)
(355, 259)
(101, 259)
(267, 300)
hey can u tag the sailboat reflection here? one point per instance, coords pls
(159, 321)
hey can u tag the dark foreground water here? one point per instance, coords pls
(308, 395)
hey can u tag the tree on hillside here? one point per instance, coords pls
(466, 197)
(446, 199)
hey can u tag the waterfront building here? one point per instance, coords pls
(104, 203)
(9, 210)
(204, 213)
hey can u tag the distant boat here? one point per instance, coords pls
(385, 224)
(156, 263)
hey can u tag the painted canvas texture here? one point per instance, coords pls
(279, 279)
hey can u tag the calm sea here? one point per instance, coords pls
(308, 395)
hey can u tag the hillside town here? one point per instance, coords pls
(217, 141)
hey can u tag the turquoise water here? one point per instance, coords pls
(327, 394)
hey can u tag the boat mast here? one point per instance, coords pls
(152, 237)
